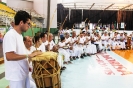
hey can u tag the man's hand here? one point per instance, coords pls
(33, 55)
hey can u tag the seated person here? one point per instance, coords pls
(28, 43)
(38, 45)
(62, 51)
(59, 58)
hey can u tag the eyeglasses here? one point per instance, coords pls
(29, 24)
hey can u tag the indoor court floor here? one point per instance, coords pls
(104, 70)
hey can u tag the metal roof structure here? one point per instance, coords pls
(98, 4)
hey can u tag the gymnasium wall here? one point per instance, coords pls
(41, 7)
(35, 30)
(20, 4)
(29, 32)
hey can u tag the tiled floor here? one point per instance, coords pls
(106, 70)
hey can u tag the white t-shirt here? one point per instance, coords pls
(90, 31)
(67, 31)
(46, 43)
(67, 40)
(41, 48)
(61, 44)
(104, 38)
(51, 44)
(15, 70)
(118, 36)
(81, 40)
(88, 37)
(73, 40)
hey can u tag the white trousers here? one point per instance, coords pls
(76, 50)
(122, 45)
(71, 52)
(65, 53)
(81, 49)
(25, 83)
(60, 60)
(32, 82)
(116, 45)
(91, 49)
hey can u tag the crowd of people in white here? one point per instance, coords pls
(71, 46)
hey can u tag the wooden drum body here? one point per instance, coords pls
(46, 70)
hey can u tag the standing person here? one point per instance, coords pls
(15, 56)
(60, 33)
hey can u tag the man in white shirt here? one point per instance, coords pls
(122, 43)
(74, 41)
(70, 47)
(15, 56)
(38, 45)
(44, 38)
(105, 41)
(52, 47)
(51, 42)
(28, 43)
(81, 41)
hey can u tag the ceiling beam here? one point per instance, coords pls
(92, 5)
(109, 6)
(126, 6)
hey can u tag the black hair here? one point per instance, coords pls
(36, 38)
(62, 38)
(24, 38)
(42, 35)
(83, 32)
(46, 31)
(21, 16)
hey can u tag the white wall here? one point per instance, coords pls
(98, 1)
(53, 8)
(20, 4)
(4, 1)
(40, 6)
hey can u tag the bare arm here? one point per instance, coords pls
(11, 56)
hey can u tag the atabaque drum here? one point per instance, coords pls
(46, 70)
